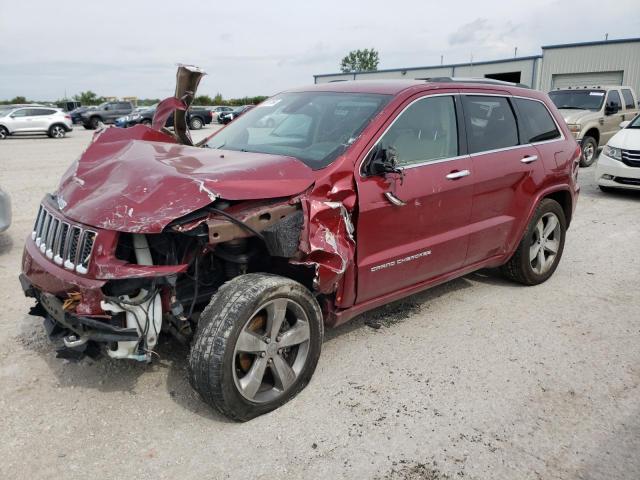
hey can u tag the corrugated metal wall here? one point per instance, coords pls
(623, 57)
(525, 67)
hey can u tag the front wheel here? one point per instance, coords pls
(257, 345)
(95, 122)
(4, 133)
(589, 151)
(540, 249)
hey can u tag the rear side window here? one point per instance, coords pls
(614, 98)
(123, 106)
(426, 131)
(536, 122)
(628, 98)
(490, 123)
(39, 112)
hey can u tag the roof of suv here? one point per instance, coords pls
(393, 87)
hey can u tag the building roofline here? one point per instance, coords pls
(450, 65)
(588, 44)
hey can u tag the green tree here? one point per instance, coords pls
(218, 100)
(88, 98)
(365, 60)
(19, 99)
(203, 100)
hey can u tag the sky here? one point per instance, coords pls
(131, 48)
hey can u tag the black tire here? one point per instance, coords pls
(4, 133)
(519, 267)
(212, 358)
(589, 151)
(94, 122)
(57, 131)
(606, 189)
(87, 126)
(195, 123)
(146, 121)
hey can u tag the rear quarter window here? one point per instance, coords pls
(537, 124)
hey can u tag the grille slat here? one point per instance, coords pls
(631, 158)
(66, 244)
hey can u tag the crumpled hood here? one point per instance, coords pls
(575, 116)
(139, 180)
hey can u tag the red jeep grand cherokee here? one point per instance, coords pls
(248, 244)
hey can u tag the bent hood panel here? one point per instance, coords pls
(140, 186)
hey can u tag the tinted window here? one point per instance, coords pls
(628, 98)
(490, 123)
(38, 112)
(425, 131)
(614, 98)
(536, 122)
(123, 106)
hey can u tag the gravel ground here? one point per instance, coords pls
(478, 378)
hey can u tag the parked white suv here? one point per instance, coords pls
(619, 163)
(30, 120)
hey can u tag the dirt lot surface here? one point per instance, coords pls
(478, 379)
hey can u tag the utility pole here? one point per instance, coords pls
(606, 37)
(441, 59)
(515, 52)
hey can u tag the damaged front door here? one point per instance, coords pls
(412, 223)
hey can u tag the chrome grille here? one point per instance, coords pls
(631, 157)
(66, 244)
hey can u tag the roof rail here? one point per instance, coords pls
(489, 81)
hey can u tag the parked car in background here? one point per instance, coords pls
(34, 120)
(593, 114)
(227, 117)
(5, 210)
(217, 110)
(76, 114)
(255, 240)
(196, 119)
(618, 165)
(105, 113)
(69, 105)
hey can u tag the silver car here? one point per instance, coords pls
(31, 120)
(5, 210)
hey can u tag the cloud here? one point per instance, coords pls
(471, 32)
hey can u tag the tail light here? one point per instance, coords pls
(68, 117)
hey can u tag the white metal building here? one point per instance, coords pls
(611, 62)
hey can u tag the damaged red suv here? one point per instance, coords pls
(249, 243)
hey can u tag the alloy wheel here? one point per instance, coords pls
(57, 131)
(588, 152)
(271, 350)
(545, 243)
(3, 133)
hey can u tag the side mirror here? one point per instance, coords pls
(611, 108)
(624, 124)
(383, 161)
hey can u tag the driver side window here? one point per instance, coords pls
(426, 131)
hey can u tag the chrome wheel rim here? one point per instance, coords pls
(588, 152)
(545, 243)
(271, 350)
(58, 132)
(196, 124)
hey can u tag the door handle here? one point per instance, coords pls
(529, 159)
(393, 199)
(458, 174)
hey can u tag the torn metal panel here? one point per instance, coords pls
(187, 80)
(164, 110)
(328, 243)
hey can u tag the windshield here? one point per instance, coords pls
(314, 127)
(635, 123)
(578, 99)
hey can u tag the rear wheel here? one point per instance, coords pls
(195, 123)
(57, 131)
(257, 345)
(540, 249)
(4, 133)
(589, 151)
(95, 122)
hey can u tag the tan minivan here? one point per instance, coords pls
(594, 114)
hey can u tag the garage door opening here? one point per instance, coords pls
(513, 77)
(563, 80)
